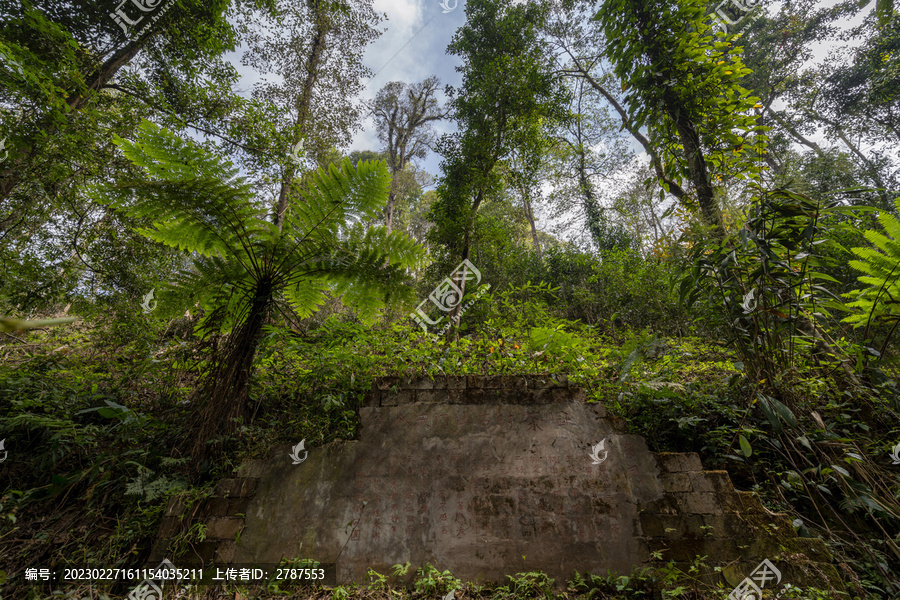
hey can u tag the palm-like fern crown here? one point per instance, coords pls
(198, 203)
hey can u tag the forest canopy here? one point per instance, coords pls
(219, 224)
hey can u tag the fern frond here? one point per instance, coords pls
(880, 268)
(197, 201)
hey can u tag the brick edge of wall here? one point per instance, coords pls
(701, 514)
(222, 513)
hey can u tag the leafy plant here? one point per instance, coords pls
(150, 488)
(429, 580)
(534, 584)
(768, 284)
(113, 410)
(340, 593)
(377, 581)
(401, 570)
(684, 84)
(245, 268)
(556, 342)
(880, 301)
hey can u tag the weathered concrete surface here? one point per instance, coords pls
(490, 476)
(484, 490)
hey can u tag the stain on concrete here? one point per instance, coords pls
(488, 476)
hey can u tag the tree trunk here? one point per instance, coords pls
(389, 209)
(530, 215)
(312, 74)
(690, 141)
(453, 332)
(673, 187)
(689, 137)
(592, 211)
(222, 397)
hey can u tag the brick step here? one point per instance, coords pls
(702, 515)
(221, 515)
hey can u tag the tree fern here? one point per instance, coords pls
(244, 267)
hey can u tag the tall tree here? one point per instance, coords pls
(525, 168)
(588, 149)
(62, 58)
(848, 101)
(858, 106)
(315, 49)
(686, 88)
(69, 81)
(508, 85)
(580, 46)
(403, 116)
(245, 268)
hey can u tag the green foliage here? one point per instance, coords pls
(768, 283)
(430, 580)
(377, 581)
(556, 342)
(684, 84)
(293, 313)
(246, 268)
(200, 205)
(879, 303)
(84, 427)
(526, 585)
(641, 583)
(615, 289)
(401, 570)
(618, 288)
(636, 348)
(509, 87)
(150, 488)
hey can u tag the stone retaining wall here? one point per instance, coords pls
(488, 476)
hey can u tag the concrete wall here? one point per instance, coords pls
(489, 476)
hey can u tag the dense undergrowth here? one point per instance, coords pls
(96, 414)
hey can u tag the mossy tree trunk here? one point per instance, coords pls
(222, 396)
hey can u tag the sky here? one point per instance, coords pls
(413, 48)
